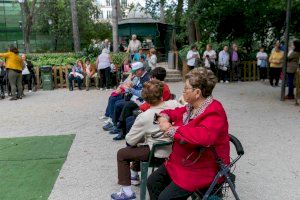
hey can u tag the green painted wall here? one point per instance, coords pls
(10, 31)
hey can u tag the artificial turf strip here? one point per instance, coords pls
(29, 166)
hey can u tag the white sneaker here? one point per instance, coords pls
(226, 81)
(109, 120)
(221, 81)
(103, 117)
(135, 180)
(101, 89)
(29, 91)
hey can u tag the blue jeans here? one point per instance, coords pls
(111, 105)
(119, 105)
(291, 84)
(77, 78)
(129, 122)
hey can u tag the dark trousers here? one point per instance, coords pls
(223, 75)
(129, 122)
(2, 84)
(77, 78)
(110, 108)
(161, 187)
(127, 155)
(263, 73)
(113, 78)
(27, 80)
(127, 111)
(291, 77)
(104, 75)
(119, 105)
(236, 71)
(274, 74)
(15, 81)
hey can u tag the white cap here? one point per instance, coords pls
(135, 66)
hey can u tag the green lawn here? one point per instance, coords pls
(29, 166)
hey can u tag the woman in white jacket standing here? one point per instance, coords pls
(192, 57)
(144, 130)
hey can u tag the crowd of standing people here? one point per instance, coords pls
(227, 63)
(15, 73)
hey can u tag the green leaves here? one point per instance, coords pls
(62, 59)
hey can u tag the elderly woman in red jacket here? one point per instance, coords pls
(196, 129)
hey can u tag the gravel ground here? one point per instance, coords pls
(268, 129)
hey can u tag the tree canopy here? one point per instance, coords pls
(249, 23)
(55, 19)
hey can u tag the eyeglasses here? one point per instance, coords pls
(188, 88)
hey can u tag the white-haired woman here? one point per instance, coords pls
(103, 63)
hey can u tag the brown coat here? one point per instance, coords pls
(93, 69)
(293, 62)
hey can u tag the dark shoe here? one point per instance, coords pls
(87, 89)
(289, 97)
(13, 99)
(115, 131)
(79, 88)
(108, 127)
(70, 89)
(119, 137)
(2, 96)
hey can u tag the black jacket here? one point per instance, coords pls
(30, 66)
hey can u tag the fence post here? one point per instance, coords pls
(249, 70)
(245, 68)
(61, 80)
(37, 75)
(66, 75)
(54, 76)
(254, 70)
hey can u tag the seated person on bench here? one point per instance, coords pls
(197, 129)
(142, 130)
(127, 118)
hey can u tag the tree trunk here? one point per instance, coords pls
(198, 34)
(76, 37)
(115, 6)
(191, 24)
(179, 10)
(26, 24)
(162, 11)
(178, 15)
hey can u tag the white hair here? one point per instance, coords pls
(105, 51)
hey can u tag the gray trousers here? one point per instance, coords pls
(15, 81)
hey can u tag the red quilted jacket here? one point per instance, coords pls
(208, 129)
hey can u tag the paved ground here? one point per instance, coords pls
(268, 128)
